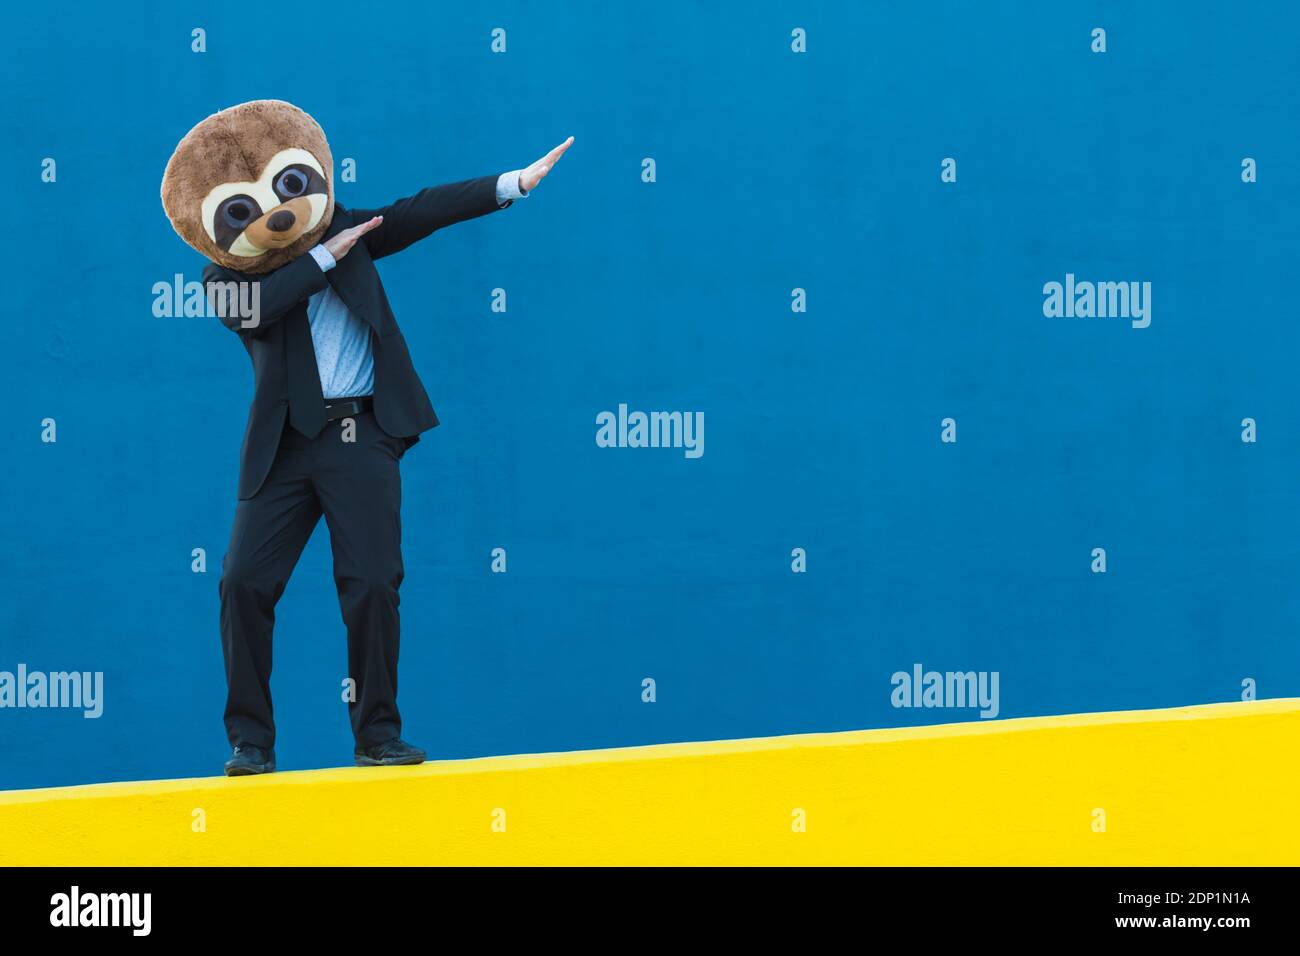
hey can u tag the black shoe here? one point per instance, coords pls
(248, 760)
(391, 753)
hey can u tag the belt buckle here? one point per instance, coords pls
(334, 410)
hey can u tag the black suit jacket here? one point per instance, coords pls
(401, 405)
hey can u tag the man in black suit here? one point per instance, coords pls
(336, 404)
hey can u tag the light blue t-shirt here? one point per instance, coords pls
(341, 340)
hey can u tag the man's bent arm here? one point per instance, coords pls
(230, 293)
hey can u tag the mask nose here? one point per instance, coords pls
(281, 221)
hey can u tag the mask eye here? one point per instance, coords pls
(292, 183)
(238, 211)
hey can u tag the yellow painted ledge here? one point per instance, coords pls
(1211, 784)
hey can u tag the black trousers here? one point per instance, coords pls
(357, 486)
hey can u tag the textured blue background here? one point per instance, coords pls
(822, 430)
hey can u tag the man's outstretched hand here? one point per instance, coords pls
(534, 174)
(339, 245)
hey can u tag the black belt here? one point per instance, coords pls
(336, 408)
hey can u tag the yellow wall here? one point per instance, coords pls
(1214, 784)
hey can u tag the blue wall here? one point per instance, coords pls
(775, 171)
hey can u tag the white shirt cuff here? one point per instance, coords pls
(508, 187)
(323, 258)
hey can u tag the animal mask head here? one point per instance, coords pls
(251, 187)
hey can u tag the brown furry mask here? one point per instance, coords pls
(251, 187)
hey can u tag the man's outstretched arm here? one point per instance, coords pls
(410, 220)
